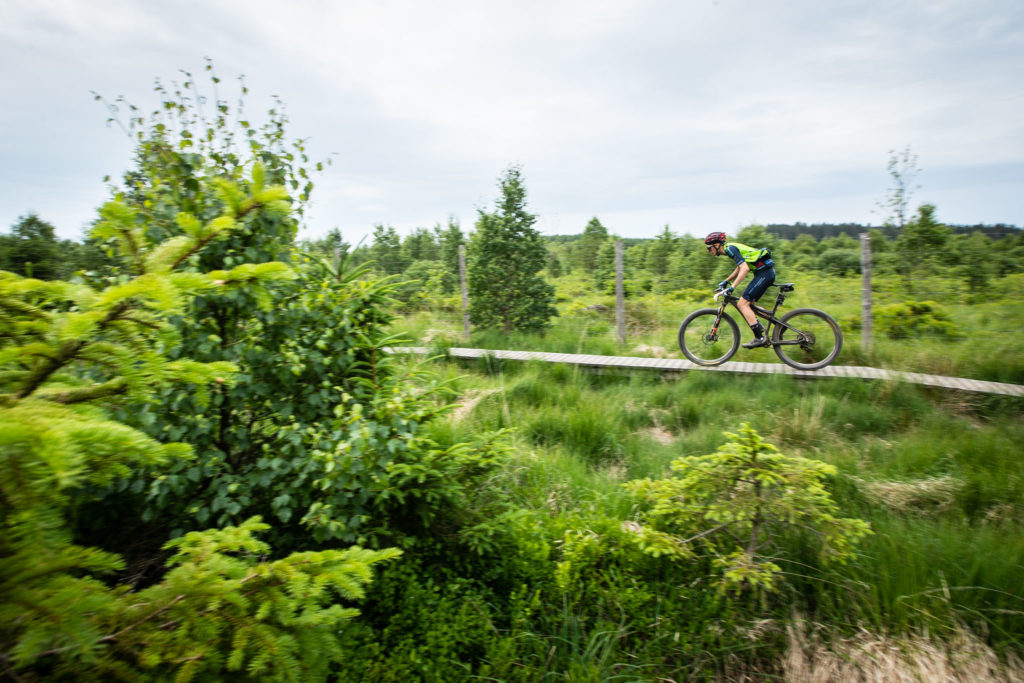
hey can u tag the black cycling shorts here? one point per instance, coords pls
(763, 279)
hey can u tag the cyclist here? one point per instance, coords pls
(747, 259)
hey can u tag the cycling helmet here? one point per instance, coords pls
(714, 237)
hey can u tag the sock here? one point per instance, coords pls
(758, 329)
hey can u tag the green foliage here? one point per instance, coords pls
(839, 262)
(554, 265)
(67, 351)
(321, 430)
(219, 611)
(737, 504)
(913, 319)
(386, 250)
(423, 283)
(505, 256)
(976, 265)
(692, 267)
(432, 625)
(922, 244)
(180, 149)
(32, 249)
(450, 239)
(421, 245)
(604, 270)
(588, 248)
(660, 251)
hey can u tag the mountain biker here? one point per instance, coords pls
(747, 259)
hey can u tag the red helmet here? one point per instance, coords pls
(714, 237)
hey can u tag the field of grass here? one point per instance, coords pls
(937, 475)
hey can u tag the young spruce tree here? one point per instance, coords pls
(506, 254)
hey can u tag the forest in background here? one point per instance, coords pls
(212, 469)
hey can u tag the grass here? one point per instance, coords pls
(896, 659)
(938, 476)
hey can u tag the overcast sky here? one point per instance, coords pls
(699, 114)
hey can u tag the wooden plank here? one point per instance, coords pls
(676, 365)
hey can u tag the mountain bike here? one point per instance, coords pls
(804, 338)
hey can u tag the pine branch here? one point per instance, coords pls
(202, 242)
(114, 387)
(134, 248)
(706, 533)
(24, 308)
(144, 323)
(65, 354)
(115, 636)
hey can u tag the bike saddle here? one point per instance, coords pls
(787, 287)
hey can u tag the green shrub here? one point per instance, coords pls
(839, 262)
(734, 506)
(911, 319)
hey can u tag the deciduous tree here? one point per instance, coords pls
(903, 170)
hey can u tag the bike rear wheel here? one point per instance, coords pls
(808, 339)
(706, 339)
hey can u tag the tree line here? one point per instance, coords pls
(511, 265)
(426, 262)
(820, 231)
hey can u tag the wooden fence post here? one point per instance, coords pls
(465, 291)
(865, 285)
(620, 296)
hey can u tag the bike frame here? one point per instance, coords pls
(760, 312)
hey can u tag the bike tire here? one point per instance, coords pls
(820, 338)
(702, 344)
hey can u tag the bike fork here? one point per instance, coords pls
(718, 321)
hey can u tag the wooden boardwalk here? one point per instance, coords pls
(681, 365)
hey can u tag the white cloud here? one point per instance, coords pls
(653, 110)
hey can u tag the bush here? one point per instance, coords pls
(68, 352)
(910, 319)
(839, 262)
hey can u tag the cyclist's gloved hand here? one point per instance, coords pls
(723, 284)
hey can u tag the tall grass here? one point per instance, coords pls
(939, 477)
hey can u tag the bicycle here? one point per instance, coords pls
(804, 338)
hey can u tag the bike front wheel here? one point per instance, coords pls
(807, 339)
(707, 339)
